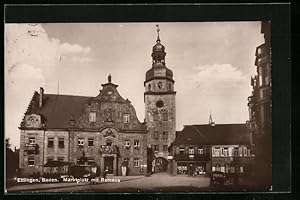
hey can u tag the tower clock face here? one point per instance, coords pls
(159, 104)
(159, 84)
(32, 121)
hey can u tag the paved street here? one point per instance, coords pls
(161, 182)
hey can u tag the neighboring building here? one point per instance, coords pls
(201, 149)
(160, 116)
(103, 130)
(260, 109)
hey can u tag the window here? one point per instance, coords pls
(237, 168)
(245, 151)
(165, 135)
(155, 135)
(149, 87)
(80, 142)
(91, 142)
(170, 87)
(236, 152)
(155, 116)
(92, 117)
(249, 152)
(232, 169)
(108, 143)
(32, 140)
(216, 152)
(260, 76)
(165, 115)
(259, 50)
(218, 167)
(126, 118)
(127, 144)
(241, 169)
(200, 151)
(225, 149)
(181, 150)
(227, 168)
(136, 144)
(136, 162)
(90, 161)
(222, 152)
(241, 151)
(165, 147)
(30, 161)
(191, 150)
(60, 159)
(156, 148)
(50, 142)
(61, 142)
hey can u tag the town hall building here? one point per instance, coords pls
(104, 131)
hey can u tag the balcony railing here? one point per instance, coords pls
(109, 149)
(192, 157)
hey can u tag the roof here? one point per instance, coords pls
(151, 73)
(65, 111)
(57, 110)
(219, 134)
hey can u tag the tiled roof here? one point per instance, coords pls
(219, 134)
(57, 110)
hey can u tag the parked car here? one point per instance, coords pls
(217, 178)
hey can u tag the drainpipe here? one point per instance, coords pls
(43, 154)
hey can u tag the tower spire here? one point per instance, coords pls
(157, 29)
(210, 121)
(109, 78)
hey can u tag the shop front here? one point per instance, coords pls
(191, 168)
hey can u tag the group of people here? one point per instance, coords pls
(96, 172)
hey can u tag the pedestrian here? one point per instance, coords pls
(105, 172)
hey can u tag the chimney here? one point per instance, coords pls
(41, 97)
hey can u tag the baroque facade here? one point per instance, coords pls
(260, 108)
(102, 129)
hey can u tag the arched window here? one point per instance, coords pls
(170, 87)
(149, 87)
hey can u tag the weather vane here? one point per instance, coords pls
(157, 29)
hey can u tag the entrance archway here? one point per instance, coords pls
(161, 164)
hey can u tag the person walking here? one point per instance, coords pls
(105, 172)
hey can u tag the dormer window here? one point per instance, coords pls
(126, 118)
(126, 144)
(92, 117)
(136, 144)
(191, 150)
(181, 150)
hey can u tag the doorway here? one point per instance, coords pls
(109, 164)
(161, 164)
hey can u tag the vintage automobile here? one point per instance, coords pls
(217, 178)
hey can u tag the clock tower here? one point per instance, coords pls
(159, 98)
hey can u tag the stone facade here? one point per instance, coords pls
(160, 110)
(103, 129)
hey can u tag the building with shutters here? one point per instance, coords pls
(202, 149)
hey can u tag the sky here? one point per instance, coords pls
(212, 63)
